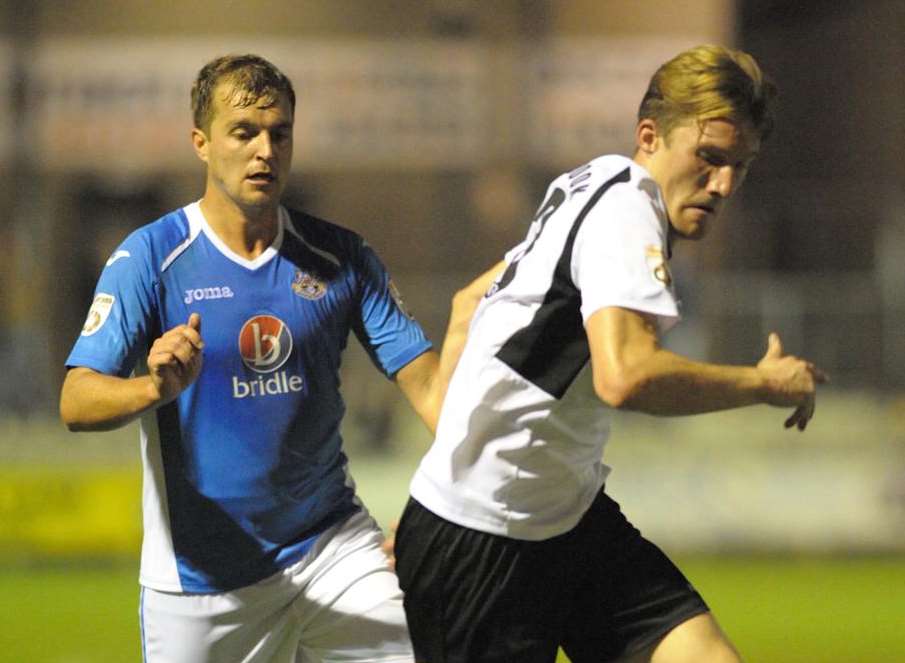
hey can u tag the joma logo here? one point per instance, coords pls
(217, 292)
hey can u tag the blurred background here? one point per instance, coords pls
(432, 127)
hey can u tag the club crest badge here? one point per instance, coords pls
(657, 264)
(308, 286)
(98, 313)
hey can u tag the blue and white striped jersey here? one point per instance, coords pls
(245, 467)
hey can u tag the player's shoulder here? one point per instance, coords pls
(616, 195)
(322, 234)
(154, 243)
(163, 235)
(615, 181)
(617, 174)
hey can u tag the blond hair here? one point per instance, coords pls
(708, 82)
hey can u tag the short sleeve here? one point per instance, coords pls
(116, 327)
(619, 258)
(388, 332)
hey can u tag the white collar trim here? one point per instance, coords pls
(196, 217)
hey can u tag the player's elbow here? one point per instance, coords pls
(77, 426)
(69, 419)
(72, 411)
(69, 413)
(76, 422)
(617, 389)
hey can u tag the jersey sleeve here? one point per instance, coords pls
(117, 326)
(619, 258)
(388, 332)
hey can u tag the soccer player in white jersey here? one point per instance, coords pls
(221, 326)
(509, 548)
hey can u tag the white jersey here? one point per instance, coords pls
(519, 447)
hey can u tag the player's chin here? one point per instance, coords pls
(257, 199)
(693, 230)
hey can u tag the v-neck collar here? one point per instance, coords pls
(196, 217)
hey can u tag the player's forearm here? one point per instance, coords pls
(426, 380)
(91, 401)
(464, 304)
(434, 391)
(463, 307)
(670, 385)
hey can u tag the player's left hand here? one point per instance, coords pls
(790, 381)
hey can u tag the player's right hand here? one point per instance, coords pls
(174, 361)
(790, 381)
(389, 545)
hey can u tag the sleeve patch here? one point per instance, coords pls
(657, 264)
(98, 313)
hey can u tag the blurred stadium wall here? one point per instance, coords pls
(432, 127)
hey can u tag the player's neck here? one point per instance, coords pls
(247, 232)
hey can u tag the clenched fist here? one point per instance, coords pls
(174, 361)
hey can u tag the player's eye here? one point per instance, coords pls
(712, 158)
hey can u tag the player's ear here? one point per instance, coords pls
(647, 138)
(201, 143)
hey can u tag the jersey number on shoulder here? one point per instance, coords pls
(544, 212)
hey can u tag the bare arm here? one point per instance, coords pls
(424, 381)
(632, 371)
(92, 401)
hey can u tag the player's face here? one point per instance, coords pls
(699, 167)
(248, 150)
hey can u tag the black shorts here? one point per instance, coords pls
(600, 591)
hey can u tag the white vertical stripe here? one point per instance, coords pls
(158, 558)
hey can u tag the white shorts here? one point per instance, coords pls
(341, 602)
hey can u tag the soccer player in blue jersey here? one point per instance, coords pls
(221, 327)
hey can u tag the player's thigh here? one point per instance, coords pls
(472, 597)
(250, 625)
(697, 639)
(350, 607)
(634, 594)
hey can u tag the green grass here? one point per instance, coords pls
(69, 615)
(776, 610)
(808, 610)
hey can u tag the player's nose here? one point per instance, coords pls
(723, 181)
(264, 146)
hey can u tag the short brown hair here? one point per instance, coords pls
(708, 82)
(252, 78)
